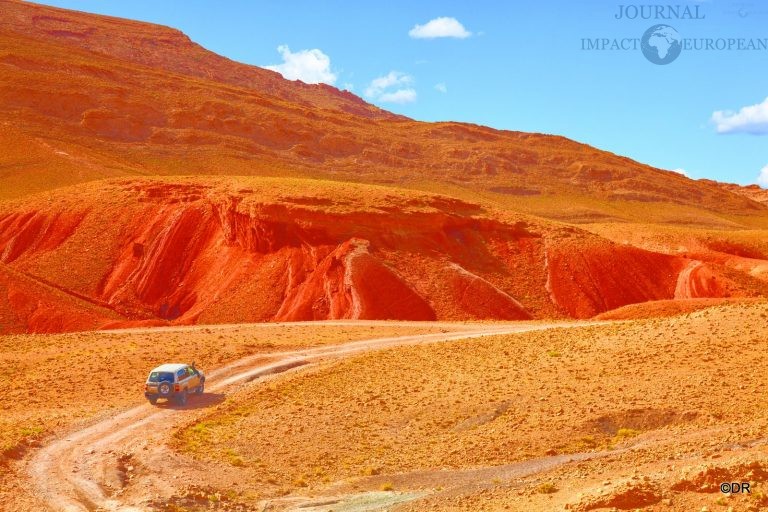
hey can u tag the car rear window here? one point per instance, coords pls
(160, 377)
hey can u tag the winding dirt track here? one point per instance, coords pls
(68, 474)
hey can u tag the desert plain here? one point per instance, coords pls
(391, 314)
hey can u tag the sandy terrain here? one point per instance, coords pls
(542, 418)
(658, 396)
(80, 377)
(80, 451)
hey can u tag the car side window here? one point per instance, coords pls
(191, 371)
(181, 374)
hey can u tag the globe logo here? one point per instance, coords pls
(661, 44)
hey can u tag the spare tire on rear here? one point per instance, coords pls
(164, 389)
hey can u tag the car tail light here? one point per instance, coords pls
(146, 387)
(176, 388)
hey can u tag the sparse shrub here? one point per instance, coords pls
(236, 460)
(546, 488)
(626, 433)
(553, 353)
(200, 428)
(387, 486)
(588, 442)
(31, 431)
(758, 495)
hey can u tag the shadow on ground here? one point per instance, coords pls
(195, 402)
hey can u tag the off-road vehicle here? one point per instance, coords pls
(174, 381)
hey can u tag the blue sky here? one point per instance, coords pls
(514, 65)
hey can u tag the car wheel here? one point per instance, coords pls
(200, 389)
(182, 398)
(153, 400)
(164, 389)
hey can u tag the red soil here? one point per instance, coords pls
(699, 280)
(230, 250)
(587, 279)
(667, 308)
(31, 232)
(29, 305)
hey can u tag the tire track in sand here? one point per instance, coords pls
(64, 472)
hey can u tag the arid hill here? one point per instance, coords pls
(85, 97)
(146, 180)
(212, 250)
(753, 192)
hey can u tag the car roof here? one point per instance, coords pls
(170, 367)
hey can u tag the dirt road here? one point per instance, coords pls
(71, 472)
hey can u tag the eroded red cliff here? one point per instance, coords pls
(240, 250)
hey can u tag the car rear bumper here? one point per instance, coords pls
(147, 394)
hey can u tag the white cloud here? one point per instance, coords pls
(381, 88)
(752, 119)
(441, 88)
(440, 27)
(399, 96)
(309, 66)
(391, 79)
(349, 86)
(681, 171)
(762, 180)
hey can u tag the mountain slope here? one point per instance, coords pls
(103, 97)
(166, 49)
(146, 181)
(753, 192)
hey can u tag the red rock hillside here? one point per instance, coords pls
(263, 249)
(145, 180)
